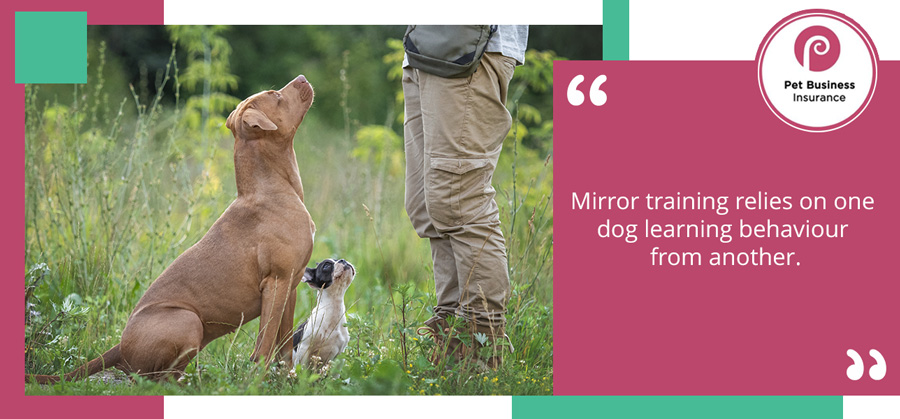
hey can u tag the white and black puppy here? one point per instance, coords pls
(324, 334)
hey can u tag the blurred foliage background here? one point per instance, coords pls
(263, 57)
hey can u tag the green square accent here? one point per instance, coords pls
(615, 30)
(678, 407)
(51, 47)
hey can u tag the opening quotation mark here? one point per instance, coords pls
(576, 98)
(856, 371)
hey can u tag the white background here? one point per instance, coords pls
(334, 407)
(660, 30)
(382, 12)
(729, 30)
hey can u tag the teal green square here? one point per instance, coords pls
(51, 47)
(615, 30)
(678, 407)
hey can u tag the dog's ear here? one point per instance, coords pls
(309, 275)
(229, 123)
(255, 118)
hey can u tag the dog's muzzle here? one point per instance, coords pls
(348, 265)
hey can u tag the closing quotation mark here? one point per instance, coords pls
(879, 370)
(856, 371)
(576, 98)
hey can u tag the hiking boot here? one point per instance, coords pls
(446, 340)
(491, 345)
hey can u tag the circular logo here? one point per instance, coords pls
(817, 70)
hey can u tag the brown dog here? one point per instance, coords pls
(248, 265)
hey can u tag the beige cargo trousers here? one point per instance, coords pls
(454, 131)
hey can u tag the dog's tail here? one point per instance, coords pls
(109, 359)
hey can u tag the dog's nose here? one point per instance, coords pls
(301, 78)
(342, 261)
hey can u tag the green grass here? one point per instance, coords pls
(111, 199)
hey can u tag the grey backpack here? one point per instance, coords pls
(447, 50)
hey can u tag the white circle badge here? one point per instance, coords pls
(817, 70)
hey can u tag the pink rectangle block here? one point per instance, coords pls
(99, 12)
(625, 327)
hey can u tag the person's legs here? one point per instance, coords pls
(445, 276)
(464, 123)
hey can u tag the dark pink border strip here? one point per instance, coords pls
(99, 12)
(12, 168)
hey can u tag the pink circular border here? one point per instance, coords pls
(873, 54)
